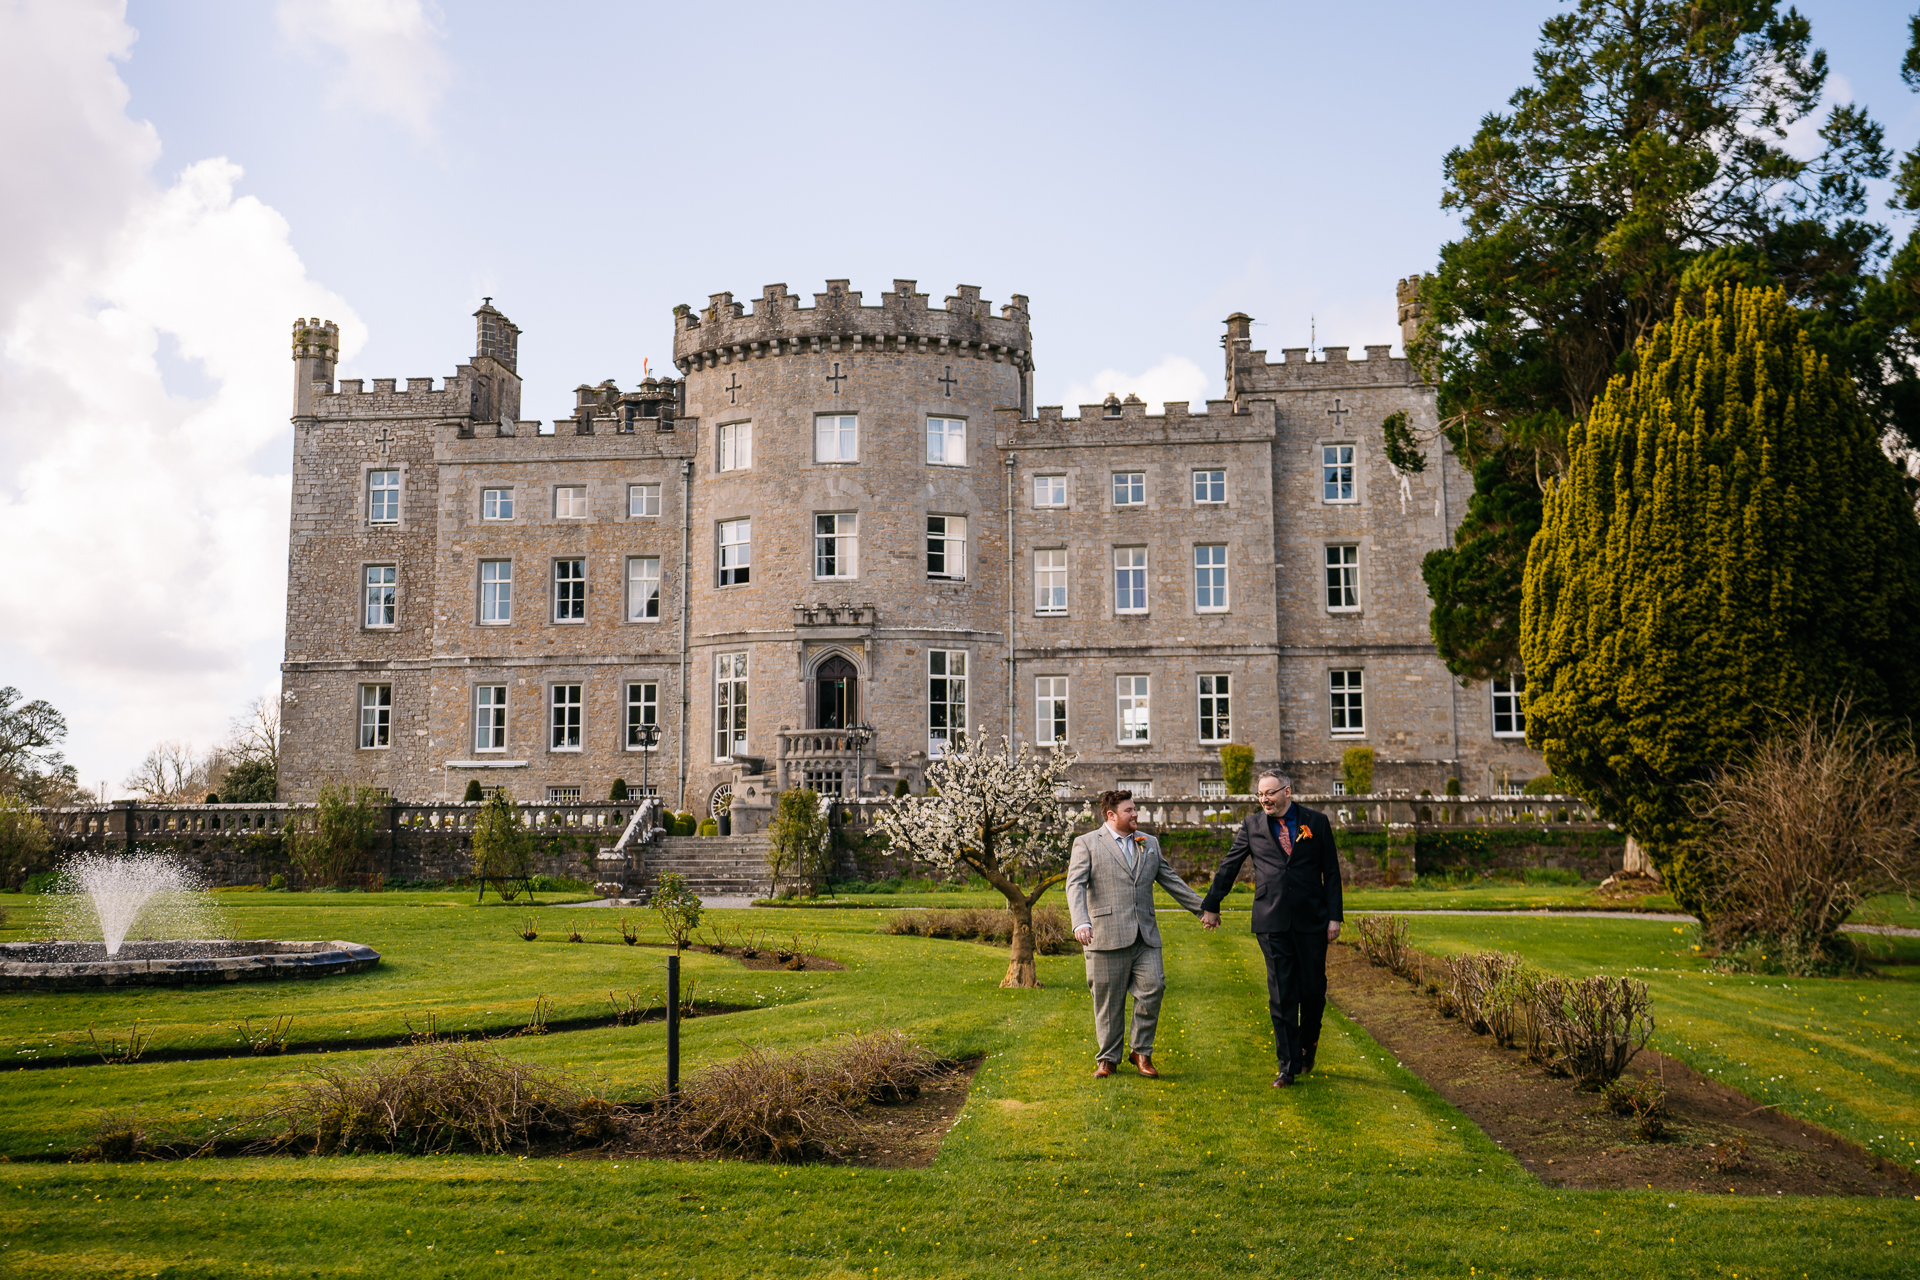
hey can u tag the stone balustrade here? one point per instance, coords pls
(1159, 813)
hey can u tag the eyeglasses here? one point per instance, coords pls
(1273, 795)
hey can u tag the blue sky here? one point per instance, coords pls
(186, 178)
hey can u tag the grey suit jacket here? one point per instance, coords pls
(1118, 903)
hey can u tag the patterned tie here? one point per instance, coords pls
(1286, 841)
(1127, 844)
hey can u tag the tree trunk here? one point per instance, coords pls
(1021, 971)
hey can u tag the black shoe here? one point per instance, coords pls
(1284, 1080)
(1306, 1063)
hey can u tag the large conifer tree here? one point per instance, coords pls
(1728, 543)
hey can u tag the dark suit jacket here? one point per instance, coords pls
(1301, 892)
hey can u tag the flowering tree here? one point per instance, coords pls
(997, 814)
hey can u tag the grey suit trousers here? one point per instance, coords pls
(1111, 976)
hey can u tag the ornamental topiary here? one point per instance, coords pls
(1236, 767)
(619, 791)
(1356, 770)
(474, 792)
(1728, 545)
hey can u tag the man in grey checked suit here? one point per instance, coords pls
(1110, 880)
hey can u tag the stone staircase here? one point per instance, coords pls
(714, 866)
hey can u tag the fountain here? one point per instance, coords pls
(160, 898)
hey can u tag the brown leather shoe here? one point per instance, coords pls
(1284, 1080)
(1144, 1061)
(1102, 1069)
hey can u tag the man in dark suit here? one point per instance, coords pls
(1296, 913)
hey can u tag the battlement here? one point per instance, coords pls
(496, 337)
(1176, 423)
(726, 330)
(654, 404)
(316, 339)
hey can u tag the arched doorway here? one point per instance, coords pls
(836, 694)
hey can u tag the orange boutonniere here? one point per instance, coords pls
(1306, 832)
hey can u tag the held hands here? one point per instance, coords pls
(1083, 935)
(1209, 919)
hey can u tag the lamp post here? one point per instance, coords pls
(860, 735)
(646, 735)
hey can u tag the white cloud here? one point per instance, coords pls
(1174, 378)
(389, 59)
(148, 567)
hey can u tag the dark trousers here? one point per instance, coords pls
(1296, 989)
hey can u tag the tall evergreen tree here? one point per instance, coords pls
(1728, 544)
(1648, 154)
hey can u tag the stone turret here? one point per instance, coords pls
(725, 331)
(316, 350)
(496, 356)
(1412, 311)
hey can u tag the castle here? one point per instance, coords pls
(845, 535)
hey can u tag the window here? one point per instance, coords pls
(1216, 709)
(570, 502)
(383, 497)
(1050, 581)
(947, 442)
(381, 594)
(1142, 788)
(836, 545)
(376, 715)
(1343, 689)
(643, 588)
(1509, 787)
(1210, 578)
(1343, 577)
(496, 591)
(643, 499)
(490, 717)
(946, 698)
(566, 718)
(736, 446)
(1339, 786)
(643, 708)
(569, 590)
(826, 782)
(836, 438)
(496, 504)
(1129, 579)
(1136, 708)
(563, 795)
(1049, 491)
(1336, 472)
(736, 553)
(1509, 709)
(1050, 710)
(946, 546)
(1209, 486)
(1129, 488)
(1213, 789)
(730, 704)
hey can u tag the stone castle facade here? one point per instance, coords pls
(845, 535)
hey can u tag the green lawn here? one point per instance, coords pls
(1206, 1172)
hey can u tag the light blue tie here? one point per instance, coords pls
(1126, 849)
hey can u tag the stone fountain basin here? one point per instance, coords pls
(71, 966)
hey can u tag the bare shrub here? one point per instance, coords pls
(769, 1105)
(1386, 941)
(765, 1105)
(1052, 934)
(883, 1066)
(435, 1097)
(1645, 1100)
(1814, 821)
(1598, 1024)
